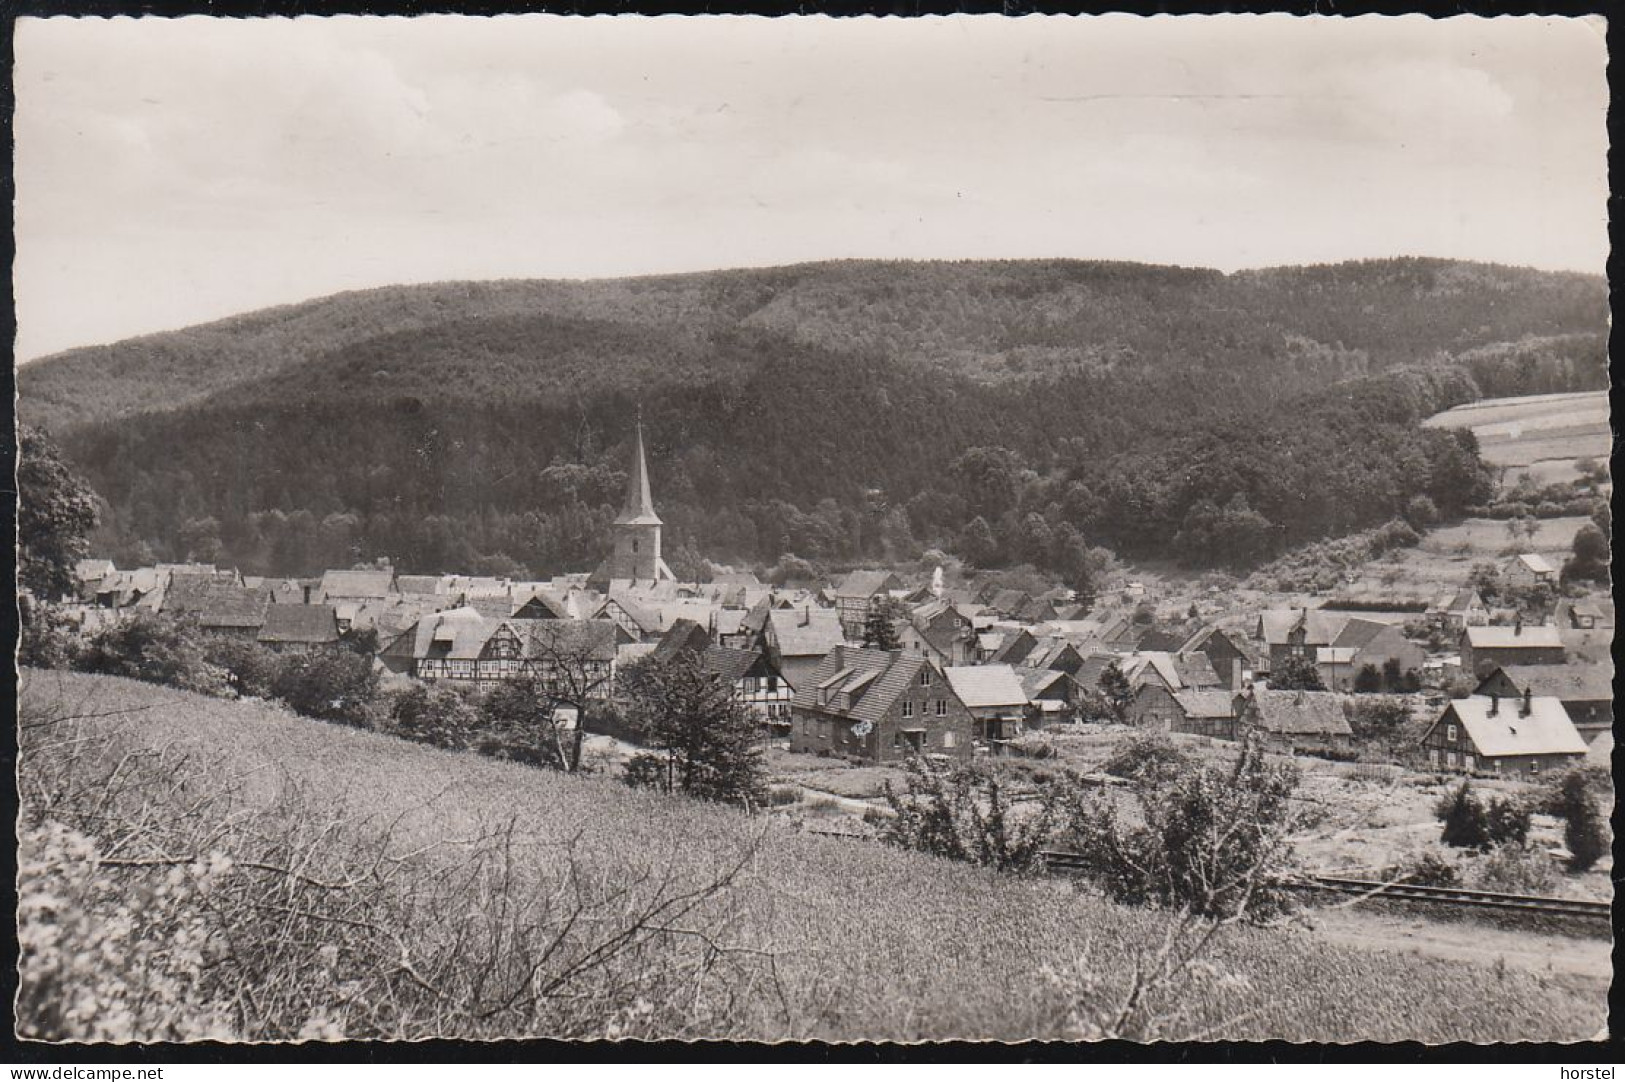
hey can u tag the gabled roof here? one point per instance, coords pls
(593, 640)
(986, 686)
(1537, 563)
(1137, 667)
(1575, 682)
(1196, 671)
(731, 664)
(859, 584)
(1010, 602)
(300, 624)
(216, 604)
(1015, 648)
(805, 632)
(1358, 633)
(1319, 627)
(1461, 600)
(542, 602)
(1206, 704)
(887, 676)
(1490, 637)
(88, 570)
(457, 633)
(357, 584)
(420, 584)
(1035, 682)
(1547, 729)
(1300, 712)
(496, 607)
(684, 634)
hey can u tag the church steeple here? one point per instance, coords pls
(636, 555)
(639, 509)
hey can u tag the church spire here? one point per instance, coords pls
(639, 509)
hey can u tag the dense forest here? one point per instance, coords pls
(1013, 412)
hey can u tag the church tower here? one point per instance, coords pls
(636, 555)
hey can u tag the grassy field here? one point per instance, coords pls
(1541, 435)
(867, 942)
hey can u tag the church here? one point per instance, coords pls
(635, 559)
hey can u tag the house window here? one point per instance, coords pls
(942, 708)
(1467, 761)
(950, 739)
(925, 678)
(1450, 733)
(1534, 766)
(772, 685)
(1497, 766)
(1450, 758)
(908, 708)
(634, 544)
(896, 740)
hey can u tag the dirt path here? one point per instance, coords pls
(1467, 942)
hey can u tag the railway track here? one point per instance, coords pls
(1460, 897)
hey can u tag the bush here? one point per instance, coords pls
(519, 721)
(1516, 869)
(1378, 718)
(965, 814)
(331, 685)
(434, 714)
(1463, 818)
(156, 649)
(1427, 870)
(1471, 824)
(1585, 831)
(1146, 755)
(249, 667)
(1210, 840)
(779, 796)
(47, 638)
(646, 770)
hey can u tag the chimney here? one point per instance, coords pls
(806, 614)
(1235, 674)
(306, 587)
(1517, 625)
(1495, 704)
(1528, 703)
(840, 656)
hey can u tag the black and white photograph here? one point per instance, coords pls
(812, 529)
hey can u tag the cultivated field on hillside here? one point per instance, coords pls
(1541, 435)
(846, 941)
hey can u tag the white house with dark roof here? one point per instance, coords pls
(1520, 644)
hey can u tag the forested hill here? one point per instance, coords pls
(841, 412)
(988, 321)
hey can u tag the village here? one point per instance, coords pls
(848, 679)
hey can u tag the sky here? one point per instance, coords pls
(174, 171)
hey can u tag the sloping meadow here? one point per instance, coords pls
(330, 882)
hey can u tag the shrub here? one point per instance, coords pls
(1585, 831)
(47, 638)
(520, 721)
(1427, 870)
(1516, 869)
(1471, 824)
(332, 685)
(1146, 755)
(779, 796)
(1378, 718)
(249, 667)
(157, 649)
(434, 714)
(1463, 818)
(964, 813)
(1297, 673)
(1506, 821)
(1211, 841)
(646, 770)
